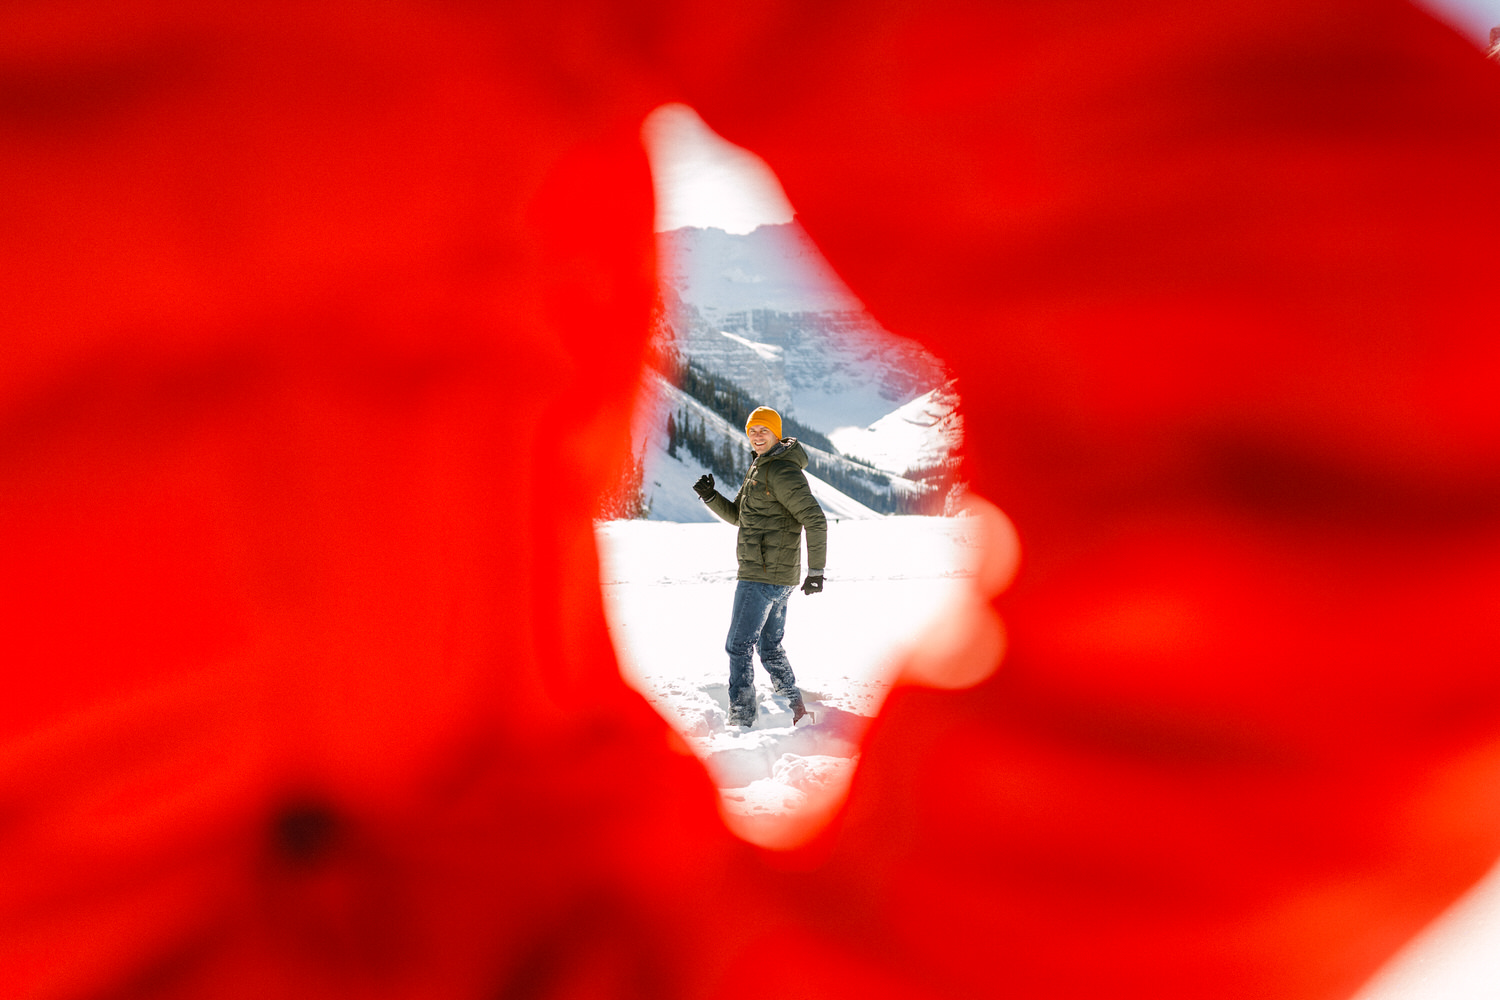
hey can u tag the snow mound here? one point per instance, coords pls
(795, 781)
(736, 759)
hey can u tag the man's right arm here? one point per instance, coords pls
(715, 501)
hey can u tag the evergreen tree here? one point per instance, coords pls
(725, 460)
(626, 497)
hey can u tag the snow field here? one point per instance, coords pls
(667, 591)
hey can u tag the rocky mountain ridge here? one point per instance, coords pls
(766, 311)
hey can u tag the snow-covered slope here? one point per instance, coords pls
(921, 434)
(668, 480)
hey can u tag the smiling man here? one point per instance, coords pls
(772, 507)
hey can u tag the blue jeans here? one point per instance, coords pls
(758, 622)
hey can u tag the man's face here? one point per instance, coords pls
(761, 438)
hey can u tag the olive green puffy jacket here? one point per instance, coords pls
(773, 506)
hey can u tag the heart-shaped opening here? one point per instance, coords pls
(750, 315)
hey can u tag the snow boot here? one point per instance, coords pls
(799, 711)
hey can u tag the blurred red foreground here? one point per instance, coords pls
(321, 328)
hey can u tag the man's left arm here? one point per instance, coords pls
(795, 495)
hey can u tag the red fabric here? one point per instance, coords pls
(322, 330)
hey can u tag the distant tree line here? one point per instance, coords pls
(939, 488)
(927, 493)
(724, 460)
(732, 401)
(869, 486)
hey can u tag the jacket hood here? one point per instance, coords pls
(787, 450)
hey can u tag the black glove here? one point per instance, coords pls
(704, 487)
(813, 584)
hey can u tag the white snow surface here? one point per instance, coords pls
(667, 590)
(1456, 958)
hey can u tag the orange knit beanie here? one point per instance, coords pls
(765, 415)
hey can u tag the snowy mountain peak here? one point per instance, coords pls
(766, 311)
(774, 267)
